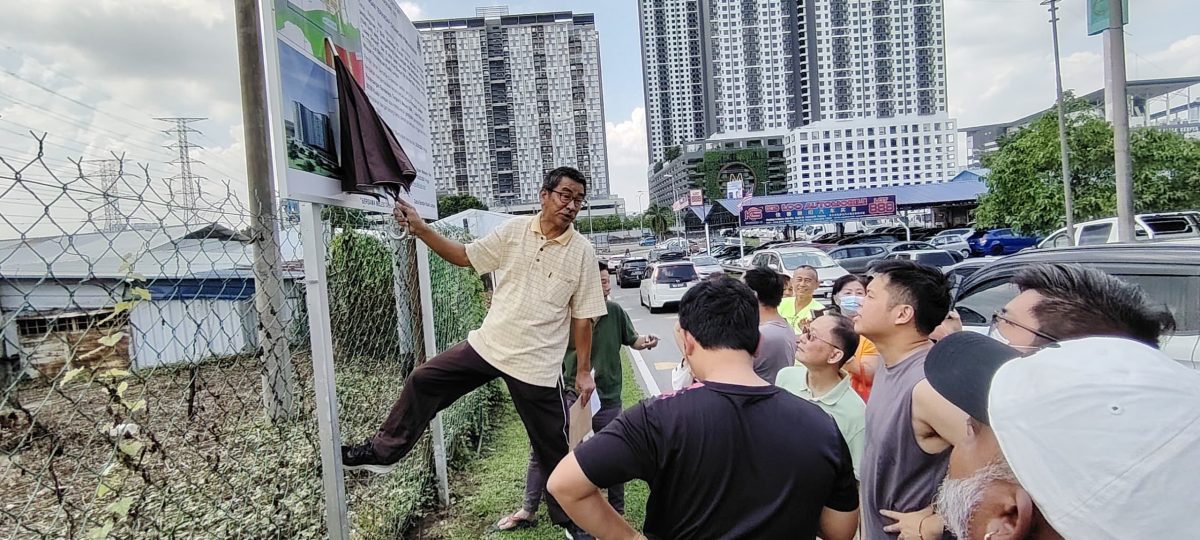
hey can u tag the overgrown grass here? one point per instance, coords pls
(494, 485)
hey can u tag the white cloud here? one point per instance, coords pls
(627, 158)
(412, 10)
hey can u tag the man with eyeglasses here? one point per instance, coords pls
(820, 378)
(549, 289)
(1069, 301)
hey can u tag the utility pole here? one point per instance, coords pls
(109, 171)
(189, 182)
(279, 376)
(1118, 106)
(1064, 148)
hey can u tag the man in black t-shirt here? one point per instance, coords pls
(729, 457)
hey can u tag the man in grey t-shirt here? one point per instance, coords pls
(777, 347)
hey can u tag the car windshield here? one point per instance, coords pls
(637, 264)
(935, 259)
(676, 273)
(705, 261)
(815, 259)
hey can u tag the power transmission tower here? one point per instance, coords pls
(188, 182)
(108, 171)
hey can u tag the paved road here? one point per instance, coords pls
(652, 368)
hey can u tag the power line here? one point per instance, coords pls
(75, 101)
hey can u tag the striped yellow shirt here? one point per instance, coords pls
(542, 284)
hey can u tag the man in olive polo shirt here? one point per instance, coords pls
(611, 332)
(548, 290)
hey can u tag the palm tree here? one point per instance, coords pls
(658, 219)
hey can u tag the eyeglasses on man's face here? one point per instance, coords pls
(809, 336)
(568, 198)
(998, 317)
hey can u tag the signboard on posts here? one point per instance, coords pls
(832, 211)
(696, 197)
(382, 49)
(1098, 15)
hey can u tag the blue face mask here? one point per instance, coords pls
(850, 304)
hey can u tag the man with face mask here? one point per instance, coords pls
(1088, 439)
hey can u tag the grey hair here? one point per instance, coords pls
(956, 499)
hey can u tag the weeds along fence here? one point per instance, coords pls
(134, 389)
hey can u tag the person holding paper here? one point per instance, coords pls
(610, 333)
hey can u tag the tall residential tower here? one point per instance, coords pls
(511, 97)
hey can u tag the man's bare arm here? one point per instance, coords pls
(582, 500)
(838, 525)
(581, 331)
(452, 250)
(937, 423)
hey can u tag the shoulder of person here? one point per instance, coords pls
(795, 377)
(615, 308)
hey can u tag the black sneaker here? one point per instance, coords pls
(362, 457)
(575, 533)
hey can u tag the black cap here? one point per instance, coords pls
(960, 367)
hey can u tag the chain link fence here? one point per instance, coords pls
(135, 389)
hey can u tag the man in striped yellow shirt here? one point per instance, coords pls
(548, 289)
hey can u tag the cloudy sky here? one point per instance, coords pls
(94, 75)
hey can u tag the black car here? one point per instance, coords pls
(631, 273)
(1169, 274)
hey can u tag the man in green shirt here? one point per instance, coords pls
(823, 349)
(610, 333)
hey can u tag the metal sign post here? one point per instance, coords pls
(316, 284)
(425, 286)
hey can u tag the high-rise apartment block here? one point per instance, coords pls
(859, 86)
(511, 97)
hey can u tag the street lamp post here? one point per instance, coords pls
(642, 216)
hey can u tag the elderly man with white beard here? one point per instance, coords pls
(1096, 438)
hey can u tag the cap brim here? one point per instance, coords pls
(961, 366)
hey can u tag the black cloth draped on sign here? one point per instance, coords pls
(371, 157)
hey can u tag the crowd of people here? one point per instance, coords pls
(877, 417)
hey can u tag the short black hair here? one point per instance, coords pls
(555, 176)
(603, 266)
(847, 279)
(1080, 301)
(844, 336)
(767, 284)
(921, 286)
(721, 314)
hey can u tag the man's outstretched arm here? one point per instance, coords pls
(452, 250)
(581, 500)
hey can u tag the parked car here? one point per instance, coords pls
(614, 264)
(999, 242)
(909, 246)
(631, 273)
(963, 270)
(1166, 226)
(961, 231)
(856, 259)
(666, 282)
(679, 244)
(952, 242)
(787, 260)
(1168, 273)
(671, 255)
(933, 257)
(647, 241)
(879, 238)
(706, 265)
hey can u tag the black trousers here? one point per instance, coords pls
(448, 376)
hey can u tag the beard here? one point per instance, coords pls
(957, 498)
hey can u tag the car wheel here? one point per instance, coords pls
(997, 249)
(966, 253)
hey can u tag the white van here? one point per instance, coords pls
(1166, 226)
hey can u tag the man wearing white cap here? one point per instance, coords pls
(1096, 438)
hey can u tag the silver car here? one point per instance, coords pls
(952, 242)
(787, 260)
(706, 266)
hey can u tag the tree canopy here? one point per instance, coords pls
(1025, 188)
(448, 205)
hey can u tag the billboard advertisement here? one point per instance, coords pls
(832, 211)
(696, 197)
(382, 50)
